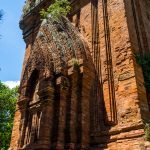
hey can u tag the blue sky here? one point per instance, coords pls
(12, 46)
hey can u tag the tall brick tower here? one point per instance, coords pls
(81, 87)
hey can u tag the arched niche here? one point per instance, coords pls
(32, 84)
(32, 114)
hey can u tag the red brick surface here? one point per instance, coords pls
(105, 103)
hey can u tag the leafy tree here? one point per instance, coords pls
(57, 9)
(7, 109)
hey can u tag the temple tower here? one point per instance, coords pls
(81, 87)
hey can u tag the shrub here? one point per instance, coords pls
(147, 132)
(57, 9)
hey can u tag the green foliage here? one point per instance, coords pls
(7, 109)
(75, 62)
(147, 132)
(144, 62)
(57, 9)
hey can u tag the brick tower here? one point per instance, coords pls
(81, 87)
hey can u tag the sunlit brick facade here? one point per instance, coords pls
(81, 87)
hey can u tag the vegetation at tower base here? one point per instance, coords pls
(8, 99)
(57, 9)
(144, 62)
(147, 132)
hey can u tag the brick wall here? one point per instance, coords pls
(115, 31)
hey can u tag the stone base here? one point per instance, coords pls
(129, 144)
(131, 140)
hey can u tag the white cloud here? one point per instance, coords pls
(12, 84)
